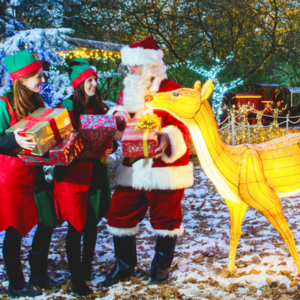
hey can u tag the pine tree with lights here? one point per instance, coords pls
(219, 89)
(52, 46)
(45, 43)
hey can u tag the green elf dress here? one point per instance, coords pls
(80, 182)
(24, 199)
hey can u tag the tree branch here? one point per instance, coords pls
(89, 44)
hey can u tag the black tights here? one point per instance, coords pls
(89, 233)
(12, 242)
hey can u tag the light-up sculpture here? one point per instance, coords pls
(258, 129)
(255, 175)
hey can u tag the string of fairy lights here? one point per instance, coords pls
(91, 54)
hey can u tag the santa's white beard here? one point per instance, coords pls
(136, 88)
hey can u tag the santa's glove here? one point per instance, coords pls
(163, 143)
(121, 123)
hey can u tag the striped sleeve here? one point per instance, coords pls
(6, 141)
(4, 117)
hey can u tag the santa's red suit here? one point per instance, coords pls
(158, 183)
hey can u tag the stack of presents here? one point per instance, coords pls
(57, 143)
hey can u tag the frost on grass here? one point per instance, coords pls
(265, 269)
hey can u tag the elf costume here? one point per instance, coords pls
(24, 200)
(82, 191)
(158, 183)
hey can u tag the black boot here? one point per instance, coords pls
(73, 249)
(164, 253)
(125, 261)
(87, 271)
(39, 276)
(17, 285)
(78, 284)
(89, 241)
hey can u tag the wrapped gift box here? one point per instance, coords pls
(61, 155)
(139, 142)
(90, 151)
(97, 133)
(47, 126)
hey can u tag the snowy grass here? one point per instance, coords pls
(265, 268)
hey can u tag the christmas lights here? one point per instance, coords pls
(220, 89)
(90, 54)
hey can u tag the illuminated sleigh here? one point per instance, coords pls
(255, 175)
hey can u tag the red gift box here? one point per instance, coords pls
(139, 142)
(61, 155)
(90, 151)
(97, 133)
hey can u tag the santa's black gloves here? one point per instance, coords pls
(121, 123)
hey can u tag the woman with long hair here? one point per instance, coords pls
(22, 189)
(82, 189)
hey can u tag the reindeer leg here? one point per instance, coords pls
(237, 212)
(256, 192)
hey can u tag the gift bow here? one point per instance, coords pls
(147, 121)
(42, 118)
(77, 147)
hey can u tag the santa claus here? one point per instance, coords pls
(156, 183)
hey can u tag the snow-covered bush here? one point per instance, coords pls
(46, 43)
(56, 89)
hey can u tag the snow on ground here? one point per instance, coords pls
(265, 268)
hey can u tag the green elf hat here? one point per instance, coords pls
(79, 71)
(21, 64)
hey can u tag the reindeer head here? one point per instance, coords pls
(184, 103)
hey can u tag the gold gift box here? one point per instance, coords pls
(41, 132)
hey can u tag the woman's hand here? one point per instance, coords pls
(24, 142)
(118, 135)
(164, 142)
(123, 114)
(109, 150)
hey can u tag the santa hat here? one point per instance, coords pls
(145, 52)
(79, 70)
(21, 64)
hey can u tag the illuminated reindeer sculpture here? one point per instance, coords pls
(255, 175)
(258, 128)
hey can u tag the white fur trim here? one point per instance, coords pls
(116, 108)
(140, 56)
(178, 145)
(94, 68)
(123, 231)
(171, 233)
(156, 82)
(143, 177)
(143, 111)
(123, 176)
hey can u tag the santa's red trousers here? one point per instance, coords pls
(129, 207)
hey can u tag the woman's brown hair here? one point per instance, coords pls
(78, 98)
(24, 105)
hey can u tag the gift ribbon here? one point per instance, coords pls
(41, 118)
(145, 138)
(145, 142)
(147, 122)
(76, 149)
